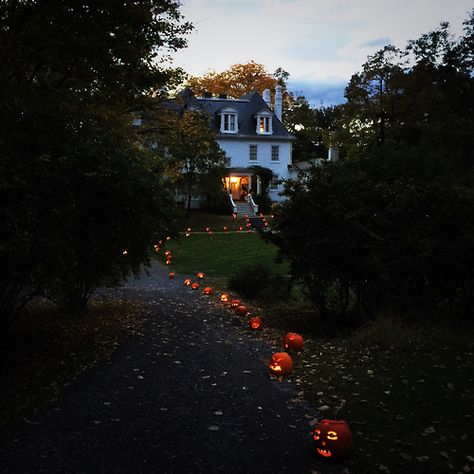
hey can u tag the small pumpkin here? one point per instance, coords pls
(200, 275)
(332, 439)
(171, 274)
(207, 290)
(224, 297)
(281, 363)
(235, 303)
(168, 262)
(195, 286)
(293, 341)
(255, 322)
(241, 310)
(187, 281)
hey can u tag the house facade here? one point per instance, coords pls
(251, 133)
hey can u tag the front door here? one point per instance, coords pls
(239, 187)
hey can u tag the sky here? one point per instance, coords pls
(320, 43)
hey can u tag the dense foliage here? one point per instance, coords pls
(392, 225)
(80, 198)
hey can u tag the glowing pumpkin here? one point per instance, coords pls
(224, 228)
(241, 310)
(234, 303)
(171, 274)
(195, 286)
(293, 341)
(200, 275)
(168, 262)
(207, 290)
(187, 281)
(224, 297)
(281, 363)
(255, 322)
(332, 439)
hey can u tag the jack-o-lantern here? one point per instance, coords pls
(224, 228)
(195, 286)
(207, 290)
(168, 262)
(187, 281)
(200, 275)
(293, 341)
(255, 322)
(241, 310)
(281, 363)
(332, 439)
(171, 274)
(235, 303)
(224, 297)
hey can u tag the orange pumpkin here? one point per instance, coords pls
(332, 439)
(293, 341)
(171, 274)
(195, 286)
(187, 281)
(224, 297)
(200, 275)
(281, 363)
(241, 310)
(168, 262)
(207, 290)
(255, 322)
(235, 303)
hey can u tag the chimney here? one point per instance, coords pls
(266, 97)
(278, 108)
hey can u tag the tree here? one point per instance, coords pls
(195, 158)
(71, 73)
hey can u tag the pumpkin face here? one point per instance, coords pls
(200, 275)
(207, 290)
(171, 274)
(293, 341)
(168, 262)
(195, 286)
(235, 303)
(224, 297)
(241, 310)
(281, 364)
(187, 282)
(255, 322)
(332, 439)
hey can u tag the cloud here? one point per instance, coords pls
(376, 43)
(320, 93)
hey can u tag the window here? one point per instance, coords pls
(229, 120)
(274, 182)
(264, 123)
(253, 152)
(275, 153)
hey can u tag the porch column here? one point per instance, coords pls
(259, 185)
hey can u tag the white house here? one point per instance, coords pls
(251, 133)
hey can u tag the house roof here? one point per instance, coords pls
(247, 108)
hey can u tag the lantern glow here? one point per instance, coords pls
(207, 290)
(195, 286)
(224, 297)
(332, 439)
(255, 322)
(281, 364)
(187, 281)
(200, 275)
(234, 303)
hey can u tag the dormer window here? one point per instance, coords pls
(264, 123)
(229, 120)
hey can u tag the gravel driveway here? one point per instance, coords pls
(190, 393)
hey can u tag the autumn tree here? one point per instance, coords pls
(80, 200)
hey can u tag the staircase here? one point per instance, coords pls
(243, 208)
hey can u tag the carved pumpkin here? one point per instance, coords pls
(195, 286)
(255, 322)
(224, 297)
(293, 341)
(200, 275)
(187, 282)
(332, 439)
(171, 274)
(235, 303)
(241, 310)
(168, 262)
(207, 290)
(224, 228)
(281, 363)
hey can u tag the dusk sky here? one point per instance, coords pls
(321, 43)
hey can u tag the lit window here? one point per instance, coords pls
(264, 123)
(253, 152)
(275, 153)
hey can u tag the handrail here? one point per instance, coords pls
(250, 200)
(232, 203)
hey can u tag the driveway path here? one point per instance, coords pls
(190, 393)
